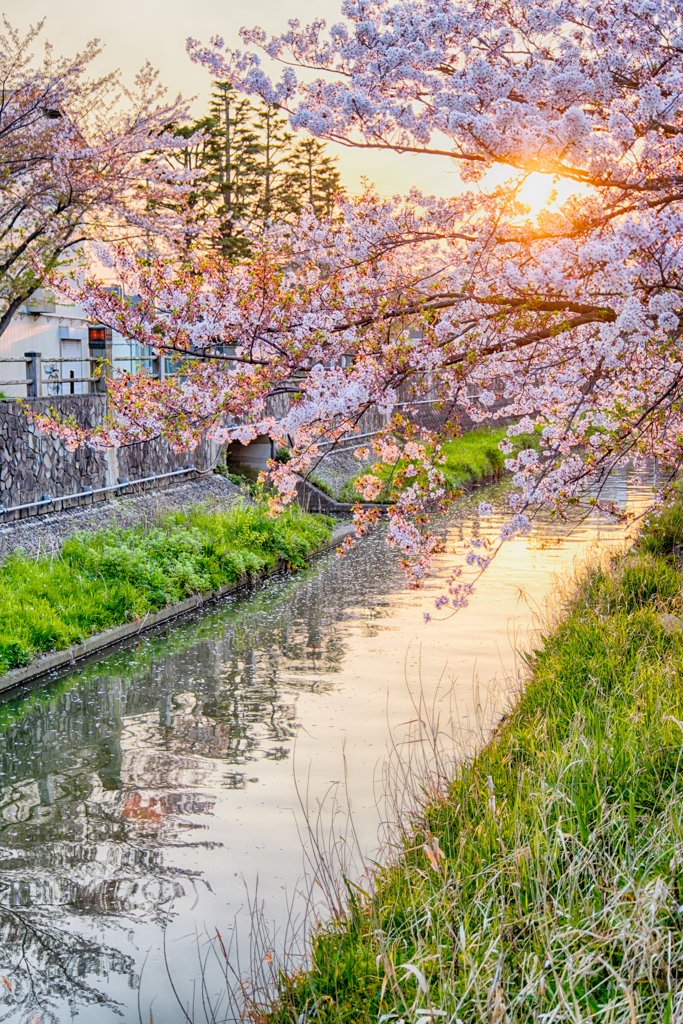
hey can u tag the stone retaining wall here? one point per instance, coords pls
(34, 464)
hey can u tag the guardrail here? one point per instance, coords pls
(123, 486)
(351, 440)
(48, 376)
(157, 364)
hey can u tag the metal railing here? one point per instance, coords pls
(123, 486)
(45, 375)
(157, 368)
(350, 439)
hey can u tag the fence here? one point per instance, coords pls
(60, 375)
(429, 413)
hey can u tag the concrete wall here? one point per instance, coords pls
(250, 459)
(33, 464)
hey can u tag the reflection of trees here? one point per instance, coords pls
(53, 883)
(51, 967)
(98, 783)
(82, 850)
(550, 532)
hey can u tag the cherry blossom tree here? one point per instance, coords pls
(80, 158)
(568, 321)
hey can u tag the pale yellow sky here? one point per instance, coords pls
(137, 30)
(134, 31)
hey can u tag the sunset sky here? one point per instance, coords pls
(137, 30)
(134, 31)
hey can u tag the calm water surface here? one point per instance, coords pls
(146, 798)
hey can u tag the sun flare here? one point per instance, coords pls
(539, 191)
(546, 190)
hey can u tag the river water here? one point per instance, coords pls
(155, 796)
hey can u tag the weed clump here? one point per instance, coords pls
(101, 580)
(664, 535)
(545, 882)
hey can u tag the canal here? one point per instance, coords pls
(174, 789)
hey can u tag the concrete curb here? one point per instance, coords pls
(100, 641)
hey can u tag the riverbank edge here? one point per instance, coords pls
(48, 663)
(313, 499)
(577, 786)
(315, 494)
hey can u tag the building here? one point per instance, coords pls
(53, 349)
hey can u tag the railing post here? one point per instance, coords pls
(112, 467)
(33, 388)
(100, 347)
(108, 354)
(159, 365)
(101, 382)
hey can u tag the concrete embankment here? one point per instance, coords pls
(44, 534)
(40, 538)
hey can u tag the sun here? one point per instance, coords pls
(540, 191)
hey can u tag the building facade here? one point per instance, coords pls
(52, 349)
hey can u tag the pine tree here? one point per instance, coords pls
(232, 155)
(274, 202)
(314, 178)
(252, 173)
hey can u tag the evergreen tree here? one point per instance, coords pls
(252, 171)
(274, 202)
(314, 178)
(194, 157)
(232, 158)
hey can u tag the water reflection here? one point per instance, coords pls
(137, 793)
(99, 782)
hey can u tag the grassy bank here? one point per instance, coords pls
(470, 459)
(546, 883)
(104, 579)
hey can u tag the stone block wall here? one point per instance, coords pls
(139, 460)
(34, 464)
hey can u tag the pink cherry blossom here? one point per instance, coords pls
(80, 158)
(566, 322)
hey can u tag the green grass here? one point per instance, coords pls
(564, 902)
(470, 459)
(128, 666)
(101, 580)
(474, 457)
